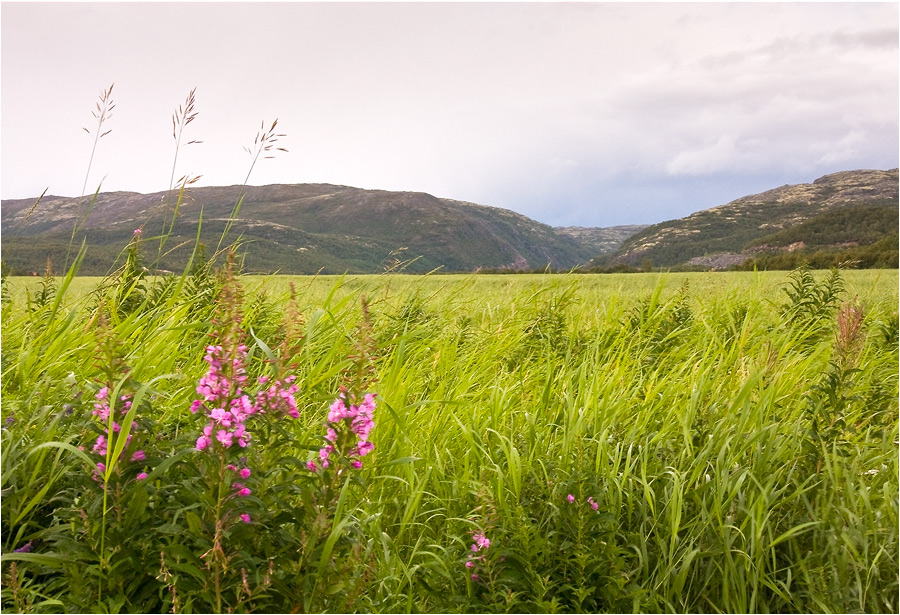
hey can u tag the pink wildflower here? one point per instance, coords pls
(347, 420)
(100, 446)
(142, 476)
(240, 432)
(594, 505)
(222, 396)
(245, 473)
(364, 448)
(225, 437)
(571, 498)
(245, 517)
(101, 410)
(482, 541)
(221, 416)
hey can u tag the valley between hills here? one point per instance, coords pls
(850, 216)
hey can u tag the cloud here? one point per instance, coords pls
(764, 107)
(705, 160)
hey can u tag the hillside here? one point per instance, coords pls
(297, 228)
(601, 240)
(840, 208)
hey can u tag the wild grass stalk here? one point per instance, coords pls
(183, 115)
(263, 148)
(102, 113)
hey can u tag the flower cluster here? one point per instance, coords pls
(228, 407)
(347, 433)
(480, 542)
(103, 411)
(279, 396)
(221, 395)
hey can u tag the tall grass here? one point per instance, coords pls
(693, 415)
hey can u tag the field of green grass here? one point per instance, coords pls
(683, 442)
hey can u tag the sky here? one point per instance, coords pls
(587, 114)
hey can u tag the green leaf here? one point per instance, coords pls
(44, 559)
(65, 445)
(137, 504)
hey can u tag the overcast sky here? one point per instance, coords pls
(591, 114)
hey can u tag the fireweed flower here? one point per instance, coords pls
(594, 505)
(279, 396)
(104, 412)
(571, 498)
(347, 432)
(222, 396)
(228, 407)
(480, 542)
(241, 490)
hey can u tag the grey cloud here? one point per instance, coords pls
(885, 38)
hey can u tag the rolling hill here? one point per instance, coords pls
(298, 228)
(838, 211)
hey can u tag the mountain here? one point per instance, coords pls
(296, 228)
(309, 228)
(838, 211)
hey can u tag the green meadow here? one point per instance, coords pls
(659, 442)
